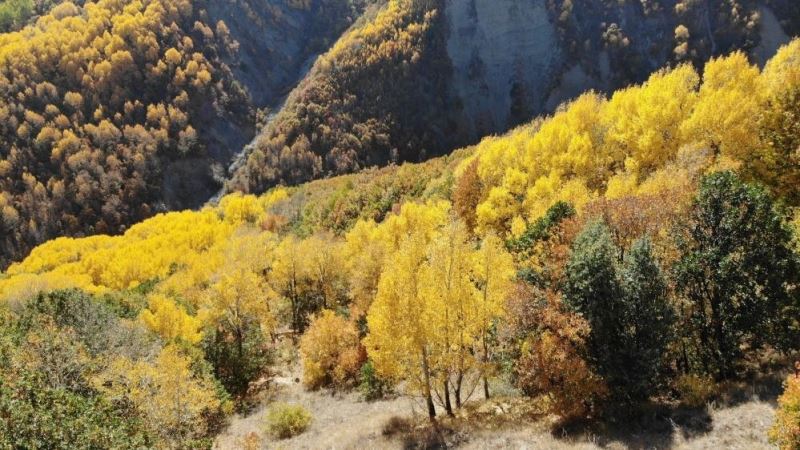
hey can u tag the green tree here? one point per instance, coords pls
(46, 398)
(648, 319)
(737, 272)
(593, 290)
(14, 13)
(626, 307)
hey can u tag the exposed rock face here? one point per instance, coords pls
(502, 52)
(772, 36)
(514, 59)
(279, 40)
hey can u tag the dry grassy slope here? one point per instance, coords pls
(344, 421)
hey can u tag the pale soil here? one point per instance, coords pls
(344, 421)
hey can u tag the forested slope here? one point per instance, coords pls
(631, 248)
(111, 111)
(424, 77)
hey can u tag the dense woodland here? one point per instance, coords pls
(379, 95)
(112, 111)
(636, 248)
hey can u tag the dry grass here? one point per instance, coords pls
(738, 419)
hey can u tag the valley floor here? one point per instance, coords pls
(345, 421)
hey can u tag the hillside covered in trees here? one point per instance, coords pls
(631, 249)
(421, 78)
(112, 111)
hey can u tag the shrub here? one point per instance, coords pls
(285, 420)
(552, 361)
(785, 433)
(372, 386)
(396, 425)
(331, 352)
(695, 390)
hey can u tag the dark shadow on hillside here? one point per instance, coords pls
(658, 425)
(766, 388)
(651, 426)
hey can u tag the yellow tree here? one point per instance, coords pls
(237, 313)
(400, 338)
(331, 351)
(239, 299)
(369, 246)
(643, 122)
(452, 301)
(173, 401)
(785, 432)
(782, 72)
(289, 278)
(729, 101)
(364, 255)
(171, 321)
(322, 256)
(493, 274)
(433, 310)
(778, 163)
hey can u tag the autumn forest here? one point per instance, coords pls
(630, 256)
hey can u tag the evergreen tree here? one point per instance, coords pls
(737, 271)
(626, 307)
(592, 289)
(648, 319)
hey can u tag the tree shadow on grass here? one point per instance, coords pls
(659, 425)
(643, 427)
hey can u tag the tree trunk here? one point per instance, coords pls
(459, 382)
(719, 335)
(448, 407)
(486, 364)
(427, 387)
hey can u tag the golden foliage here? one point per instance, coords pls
(331, 351)
(643, 139)
(786, 431)
(170, 321)
(173, 400)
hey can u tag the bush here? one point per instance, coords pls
(396, 425)
(552, 362)
(786, 431)
(372, 386)
(331, 352)
(695, 390)
(285, 420)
